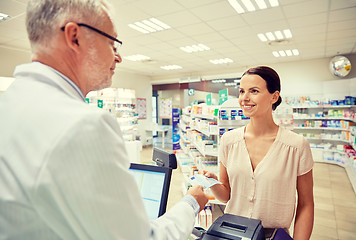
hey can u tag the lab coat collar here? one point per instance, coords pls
(50, 75)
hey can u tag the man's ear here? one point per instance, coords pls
(275, 97)
(72, 36)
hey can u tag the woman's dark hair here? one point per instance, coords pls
(272, 80)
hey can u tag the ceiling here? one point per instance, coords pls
(320, 28)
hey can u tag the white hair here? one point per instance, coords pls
(45, 18)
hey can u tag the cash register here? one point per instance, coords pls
(233, 227)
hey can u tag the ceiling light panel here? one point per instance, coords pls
(149, 26)
(284, 53)
(221, 61)
(242, 6)
(272, 36)
(171, 67)
(4, 17)
(137, 57)
(195, 48)
(218, 81)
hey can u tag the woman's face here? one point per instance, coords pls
(254, 98)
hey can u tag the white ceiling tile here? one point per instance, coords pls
(341, 35)
(308, 38)
(315, 19)
(179, 19)
(270, 26)
(340, 49)
(227, 23)
(12, 8)
(194, 4)
(348, 25)
(311, 29)
(236, 32)
(158, 7)
(268, 15)
(291, 2)
(340, 4)
(207, 38)
(341, 42)
(195, 29)
(306, 8)
(343, 14)
(168, 35)
(214, 11)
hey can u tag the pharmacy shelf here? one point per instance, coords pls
(328, 139)
(205, 131)
(203, 152)
(322, 128)
(202, 116)
(324, 106)
(325, 118)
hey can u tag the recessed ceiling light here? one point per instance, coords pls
(289, 53)
(295, 52)
(242, 6)
(236, 6)
(137, 57)
(287, 33)
(270, 36)
(149, 25)
(171, 67)
(276, 35)
(283, 53)
(4, 17)
(249, 5)
(221, 61)
(279, 35)
(195, 48)
(262, 37)
(274, 3)
(218, 81)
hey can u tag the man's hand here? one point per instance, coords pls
(198, 193)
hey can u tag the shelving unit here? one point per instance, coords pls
(199, 132)
(200, 125)
(121, 103)
(330, 131)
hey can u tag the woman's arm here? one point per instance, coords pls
(304, 219)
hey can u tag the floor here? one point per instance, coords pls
(335, 200)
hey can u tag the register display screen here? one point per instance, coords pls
(153, 183)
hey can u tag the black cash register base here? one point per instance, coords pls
(233, 227)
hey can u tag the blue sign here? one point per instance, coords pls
(175, 128)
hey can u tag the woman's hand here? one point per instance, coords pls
(208, 174)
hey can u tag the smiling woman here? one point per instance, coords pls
(273, 162)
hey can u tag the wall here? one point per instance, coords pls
(296, 75)
(10, 58)
(299, 77)
(143, 88)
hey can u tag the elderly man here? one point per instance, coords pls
(63, 166)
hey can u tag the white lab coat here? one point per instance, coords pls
(64, 169)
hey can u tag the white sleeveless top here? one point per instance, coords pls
(269, 192)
